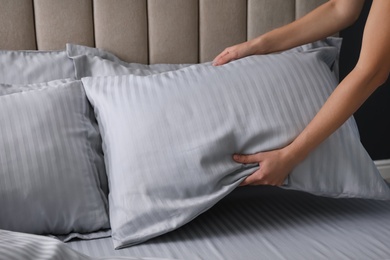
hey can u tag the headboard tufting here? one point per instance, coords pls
(144, 31)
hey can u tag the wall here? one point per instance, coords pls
(373, 117)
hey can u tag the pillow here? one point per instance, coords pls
(169, 138)
(24, 67)
(330, 41)
(90, 61)
(97, 62)
(14, 88)
(50, 161)
(6, 89)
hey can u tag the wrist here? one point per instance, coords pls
(260, 45)
(293, 154)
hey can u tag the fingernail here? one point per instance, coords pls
(235, 157)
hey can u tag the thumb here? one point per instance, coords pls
(246, 158)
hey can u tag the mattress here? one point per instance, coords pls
(269, 223)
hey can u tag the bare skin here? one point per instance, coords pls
(371, 71)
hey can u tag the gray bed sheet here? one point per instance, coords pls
(270, 223)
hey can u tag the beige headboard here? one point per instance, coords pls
(144, 31)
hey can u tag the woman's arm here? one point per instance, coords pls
(371, 71)
(326, 20)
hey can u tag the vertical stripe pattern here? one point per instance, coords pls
(269, 223)
(168, 138)
(50, 165)
(27, 67)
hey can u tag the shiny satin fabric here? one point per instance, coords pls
(168, 138)
(51, 161)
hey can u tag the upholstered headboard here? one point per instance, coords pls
(144, 31)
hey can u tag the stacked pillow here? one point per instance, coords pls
(50, 181)
(52, 167)
(25, 67)
(52, 178)
(96, 62)
(168, 134)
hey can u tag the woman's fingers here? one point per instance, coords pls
(250, 179)
(246, 158)
(229, 54)
(273, 168)
(223, 58)
(220, 55)
(233, 53)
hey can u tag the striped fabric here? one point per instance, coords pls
(50, 162)
(168, 138)
(20, 246)
(25, 67)
(255, 223)
(91, 62)
(330, 41)
(6, 89)
(17, 246)
(97, 62)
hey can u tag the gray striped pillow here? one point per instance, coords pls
(50, 162)
(25, 67)
(168, 138)
(6, 89)
(90, 61)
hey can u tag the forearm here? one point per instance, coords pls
(324, 21)
(344, 101)
(371, 71)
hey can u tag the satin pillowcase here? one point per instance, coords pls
(168, 138)
(50, 161)
(25, 67)
(97, 62)
(91, 62)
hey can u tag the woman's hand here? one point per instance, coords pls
(274, 167)
(329, 18)
(234, 52)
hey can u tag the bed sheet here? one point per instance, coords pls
(270, 223)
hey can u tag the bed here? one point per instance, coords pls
(308, 218)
